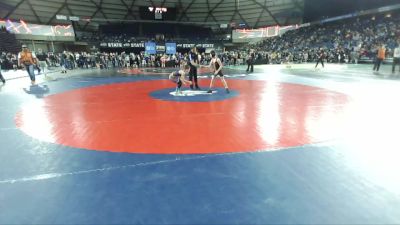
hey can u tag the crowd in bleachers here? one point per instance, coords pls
(124, 33)
(127, 38)
(343, 41)
(102, 60)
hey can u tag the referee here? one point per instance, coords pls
(194, 63)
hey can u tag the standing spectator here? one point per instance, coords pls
(321, 57)
(305, 56)
(42, 57)
(28, 59)
(52, 59)
(163, 60)
(396, 58)
(63, 62)
(137, 60)
(235, 57)
(1, 75)
(250, 62)
(2, 60)
(380, 57)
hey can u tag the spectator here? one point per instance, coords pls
(380, 57)
(28, 59)
(396, 58)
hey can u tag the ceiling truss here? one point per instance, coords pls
(253, 13)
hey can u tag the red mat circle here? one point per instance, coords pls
(122, 117)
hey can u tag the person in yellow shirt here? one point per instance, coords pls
(380, 57)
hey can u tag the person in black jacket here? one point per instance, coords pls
(320, 58)
(2, 59)
(42, 61)
(250, 62)
(194, 63)
(1, 76)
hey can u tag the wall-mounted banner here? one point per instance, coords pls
(137, 45)
(170, 48)
(142, 45)
(160, 48)
(122, 45)
(195, 45)
(111, 45)
(26, 28)
(150, 47)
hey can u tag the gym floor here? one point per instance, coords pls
(287, 146)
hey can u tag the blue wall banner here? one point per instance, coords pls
(150, 47)
(170, 48)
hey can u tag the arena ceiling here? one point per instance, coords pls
(254, 13)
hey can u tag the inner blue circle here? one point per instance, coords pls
(188, 95)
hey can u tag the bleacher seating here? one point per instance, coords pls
(8, 42)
